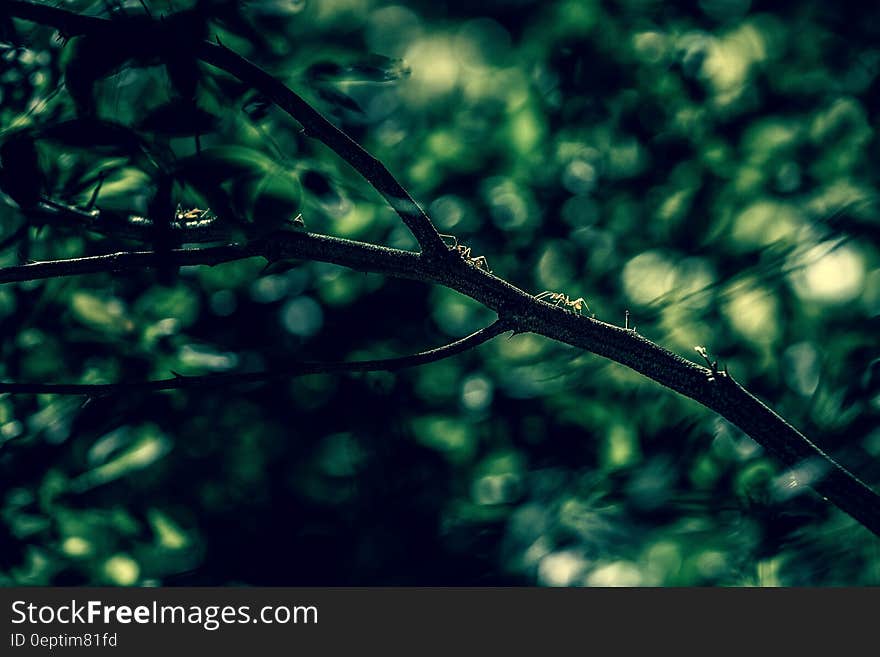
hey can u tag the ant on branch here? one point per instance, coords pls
(196, 214)
(559, 299)
(479, 262)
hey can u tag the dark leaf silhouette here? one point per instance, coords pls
(179, 118)
(21, 175)
(319, 185)
(100, 136)
(339, 99)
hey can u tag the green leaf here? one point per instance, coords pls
(100, 136)
(99, 313)
(372, 68)
(271, 201)
(215, 166)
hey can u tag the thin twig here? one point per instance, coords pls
(518, 310)
(522, 312)
(280, 246)
(179, 382)
(314, 123)
(317, 126)
(122, 261)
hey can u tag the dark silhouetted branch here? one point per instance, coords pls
(281, 246)
(317, 126)
(437, 264)
(179, 382)
(314, 123)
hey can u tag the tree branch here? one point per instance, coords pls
(317, 126)
(280, 246)
(373, 171)
(518, 310)
(68, 22)
(179, 382)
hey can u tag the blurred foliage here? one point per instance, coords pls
(711, 167)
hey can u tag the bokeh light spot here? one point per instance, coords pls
(829, 273)
(648, 276)
(302, 316)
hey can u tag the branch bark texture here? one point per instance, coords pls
(437, 264)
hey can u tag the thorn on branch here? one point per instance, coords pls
(750, 414)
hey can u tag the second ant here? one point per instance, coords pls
(479, 262)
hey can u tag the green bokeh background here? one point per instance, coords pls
(711, 167)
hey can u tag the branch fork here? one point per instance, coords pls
(437, 264)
